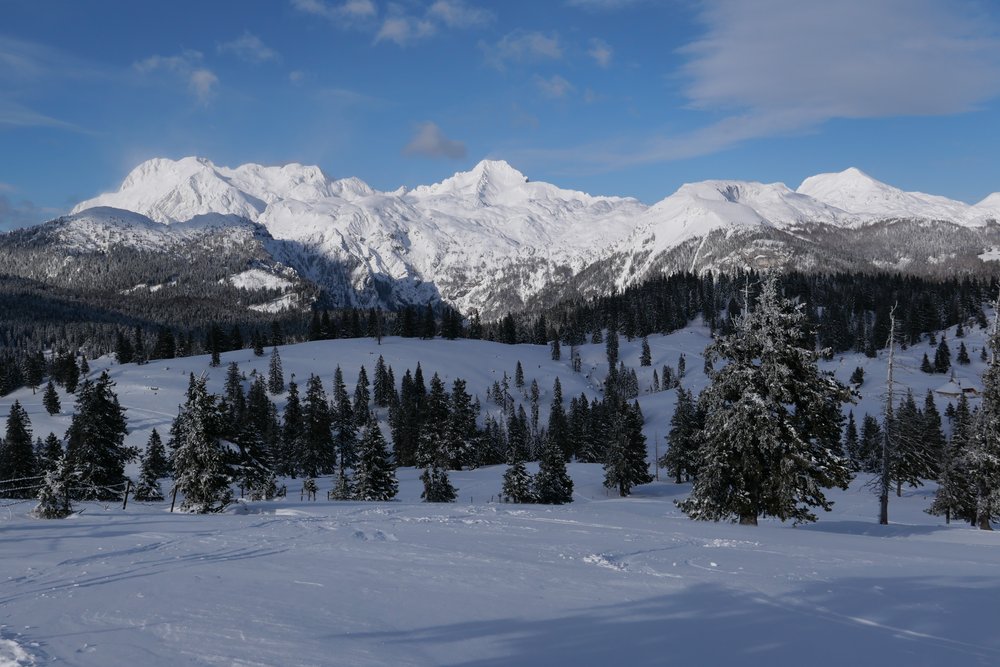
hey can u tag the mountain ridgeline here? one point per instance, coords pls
(487, 241)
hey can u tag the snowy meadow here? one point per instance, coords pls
(602, 580)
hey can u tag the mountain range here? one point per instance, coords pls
(488, 240)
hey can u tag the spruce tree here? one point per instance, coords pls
(852, 445)
(287, 459)
(558, 425)
(646, 356)
(156, 456)
(461, 434)
(275, 375)
(681, 457)
(374, 475)
(48, 454)
(50, 399)
(858, 377)
(345, 431)
(981, 459)
(611, 347)
(95, 441)
(343, 488)
(942, 357)
(625, 466)
(772, 421)
(148, 487)
(201, 473)
(552, 484)
(963, 355)
(317, 454)
(362, 399)
(925, 364)
(17, 456)
(437, 486)
(54, 494)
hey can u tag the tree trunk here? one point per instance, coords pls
(984, 522)
(899, 489)
(883, 514)
(677, 477)
(748, 519)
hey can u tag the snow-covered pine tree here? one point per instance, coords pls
(345, 432)
(362, 399)
(646, 356)
(17, 455)
(287, 461)
(942, 357)
(50, 399)
(275, 375)
(437, 486)
(54, 494)
(374, 475)
(963, 355)
(147, 489)
(552, 484)
(254, 472)
(981, 460)
(611, 347)
(95, 441)
(461, 435)
(199, 458)
(384, 388)
(681, 457)
(343, 488)
(517, 481)
(48, 454)
(852, 445)
(772, 421)
(626, 466)
(558, 428)
(317, 454)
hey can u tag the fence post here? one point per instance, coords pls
(128, 487)
(173, 499)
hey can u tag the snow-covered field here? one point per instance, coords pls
(603, 580)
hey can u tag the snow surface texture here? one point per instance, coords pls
(602, 581)
(492, 219)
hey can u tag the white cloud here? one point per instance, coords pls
(200, 80)
(456, 14)
(249, 47)
(781, 67)
(555, 86)
(296, 76)
(430, 141)
(342, 13)
(404, 30)
(601, 5)
(522, 47)
(601, 52)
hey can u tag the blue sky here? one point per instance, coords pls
(631, 97)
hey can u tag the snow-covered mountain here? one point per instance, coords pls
(491, 240)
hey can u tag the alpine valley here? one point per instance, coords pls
(486, 241)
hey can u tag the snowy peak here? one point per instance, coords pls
(486, 184)
(858, 193)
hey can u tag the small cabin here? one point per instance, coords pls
(954, 388)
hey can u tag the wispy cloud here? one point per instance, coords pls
(344, 14)
(602, 5)
(187, 66)
(457, 14)
(555, 86)
(249, 47)
(404, 30)
(430, 141)
(601, 52)
(22, 213)
(781, 67)
(522, 46)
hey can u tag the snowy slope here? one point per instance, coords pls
(603, 580)
(858, 193)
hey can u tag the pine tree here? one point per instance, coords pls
(552, 484)
(858, 377)
(433, 433)
(362, 399)
(317, 454)
(981, 459)
(681, 457)
(383, 388)
(255, 474)
(50, 399)
(201, 474)
(646, 357)
(942, 357)
(913, 457)
(148, 487)
(963, 355)
(287, 457)
(519, 375)
(17, 456)
(54, 494)
(625, 466)
(235, 399)
(156, 456)
(772, 421)
(374, 476)
(437, 486)
(96, 440)
(870, 455)
(611, 347)
(558, 425)
(345, 431)
(275, 376)
(48, 454)
(517, 482)
(461, 433)
(925, 364)
(556, 349)
(343, 488)
(681, 367)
